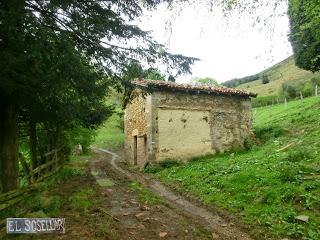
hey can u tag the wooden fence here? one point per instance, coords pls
(34, 176)
(45, 170)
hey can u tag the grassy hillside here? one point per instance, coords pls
(110, 134)
(271, 185)
(285, 71)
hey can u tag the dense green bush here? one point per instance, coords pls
(80, 135)
(290, 90)
(152, 169)
(266, 100)
(307, 90)
(270, 132)
(265, 79)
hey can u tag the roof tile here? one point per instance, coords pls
(209, 89)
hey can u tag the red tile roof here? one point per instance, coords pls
(209, 89)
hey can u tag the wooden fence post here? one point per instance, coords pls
(285, 102)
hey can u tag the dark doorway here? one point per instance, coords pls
(135, 150)
(145, 149)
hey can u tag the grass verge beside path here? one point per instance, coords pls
(110, 135)
(71, 194)
(271, 186)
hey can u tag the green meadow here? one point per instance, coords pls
(273, 185)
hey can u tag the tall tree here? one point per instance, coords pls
(58, 58)
(135, 70)
(206, 80)
(305, 33)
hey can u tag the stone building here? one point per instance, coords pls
(167, 120)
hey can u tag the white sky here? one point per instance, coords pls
(228, 48)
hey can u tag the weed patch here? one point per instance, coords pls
(145, 195)
(169, 163)
(270, 132)
(104, 182)
(66, 173)
(152, 169)
(80, 200)
(103, 230)
(298, 155)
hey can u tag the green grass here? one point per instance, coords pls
(145, 195)
(285, 71)
(80, 200)
(74, 168)
(104, 182)
(110, 135)
(265, 187)
(46, 200)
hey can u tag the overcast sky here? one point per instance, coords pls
(228, 47)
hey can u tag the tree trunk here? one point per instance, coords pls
(8, 147)
(33, 143)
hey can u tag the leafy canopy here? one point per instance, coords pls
(305, 33)
(63, 55)
(206, 80)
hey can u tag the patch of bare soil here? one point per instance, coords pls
(118, 212)
(121, 208)
(137, 219)
(222, 226)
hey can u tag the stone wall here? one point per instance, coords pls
(186, 125)
(137, 122)
(178, 125)
(183, 133)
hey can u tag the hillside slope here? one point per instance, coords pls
(271, 185)
(285, 71)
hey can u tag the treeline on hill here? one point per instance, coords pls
(238, 81)
(59, 60)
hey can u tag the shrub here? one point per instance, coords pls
(68, 172)
(292, 90)
(249, 143)
(297, 155)
(169, 163)
(288, 173)
(265, 79)
(267, 133)
(266, 100)
(307, 89)
(151, 169)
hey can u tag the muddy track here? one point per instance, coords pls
(209, 220)
(136, 219)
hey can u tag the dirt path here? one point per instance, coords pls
(220, 228)
(111, 202)
(138, 213)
